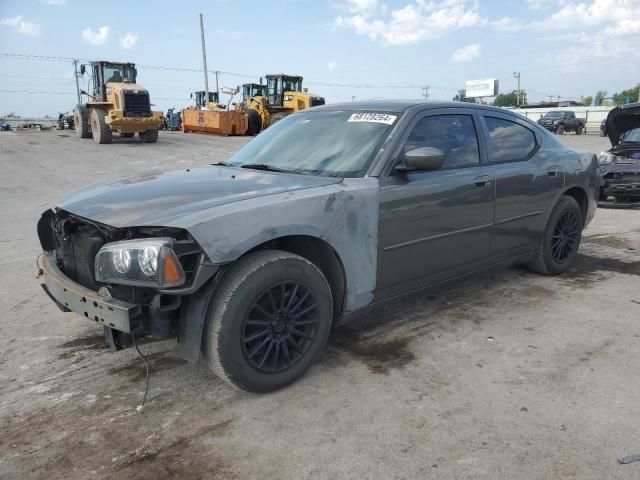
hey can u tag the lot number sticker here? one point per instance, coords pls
(373, 118)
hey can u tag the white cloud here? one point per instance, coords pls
(96, 38)
(417, 21)
(332, 66)
(57, 3)
(20, 26)
(357, 6)
(597, 12)
(466, 54)
(129, 40)
(509, 24)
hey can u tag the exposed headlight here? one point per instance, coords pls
(121, 260)
(145, 262)
(288, 98)
(605, 158)
(555, 122)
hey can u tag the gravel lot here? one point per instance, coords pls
(507, 376)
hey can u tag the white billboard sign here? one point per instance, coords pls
(481, 88)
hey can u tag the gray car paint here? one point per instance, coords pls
(230, 211)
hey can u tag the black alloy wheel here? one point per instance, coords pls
(268, 320)
(565, 237)
(560, 241)
(279, 328)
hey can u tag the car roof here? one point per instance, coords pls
(403, 105)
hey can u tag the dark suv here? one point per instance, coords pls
(327, 212)
(562, 121)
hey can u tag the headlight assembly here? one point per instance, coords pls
(149, 262)
(605, 157)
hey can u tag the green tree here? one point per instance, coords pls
(587, 100)
(630, 94)
(510, 99)
(600, 96)
(460, 97)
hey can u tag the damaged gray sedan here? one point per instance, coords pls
(325, 213)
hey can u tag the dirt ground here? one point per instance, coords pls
(506, 376)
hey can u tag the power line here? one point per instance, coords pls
(37, 91)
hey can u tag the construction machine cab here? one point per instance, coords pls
(277, 85)
(200, 98)
(253, 90)
(110, 72)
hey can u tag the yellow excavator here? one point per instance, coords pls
(116, 104)
(281, 96)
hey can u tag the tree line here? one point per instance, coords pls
(511, 99)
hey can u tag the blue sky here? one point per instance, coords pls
(343, 48)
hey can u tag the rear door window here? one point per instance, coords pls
(508, 141)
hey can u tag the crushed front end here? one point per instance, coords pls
(131, 281)
(620, 181)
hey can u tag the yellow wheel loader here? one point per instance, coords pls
(281, 96)
(116, 104)
(254, 104)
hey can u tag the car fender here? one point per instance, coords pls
(344, 215)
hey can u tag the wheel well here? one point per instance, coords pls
(322, 255)
(580, 196)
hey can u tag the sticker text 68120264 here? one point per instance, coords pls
(373, 118)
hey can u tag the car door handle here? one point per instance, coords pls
(482, 181)
(553, 171)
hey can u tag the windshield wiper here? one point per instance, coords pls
(220, 164)
(267, 167)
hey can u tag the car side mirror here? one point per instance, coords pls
(422, 159)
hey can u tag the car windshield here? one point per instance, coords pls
(334, 143)
(554, 114)
(632, 136)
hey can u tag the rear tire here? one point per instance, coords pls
(579, 130)
(561, 239)
(268, 321)
(81, 121)
(99, 129)
(149, 136)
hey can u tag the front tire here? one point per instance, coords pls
(255, 122)
(268, 321)
(561, 239)
(560, 130)
(99, 129)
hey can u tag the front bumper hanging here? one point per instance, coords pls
(69, 296)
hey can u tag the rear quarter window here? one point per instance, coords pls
(508, 141)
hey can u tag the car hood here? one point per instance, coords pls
(160, 199)
(622, 119)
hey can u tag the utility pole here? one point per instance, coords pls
(550, 98)
(425, 92)
(558, 100)
(204, 62)
(217, 88)
(517, 75)
(75, 74)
